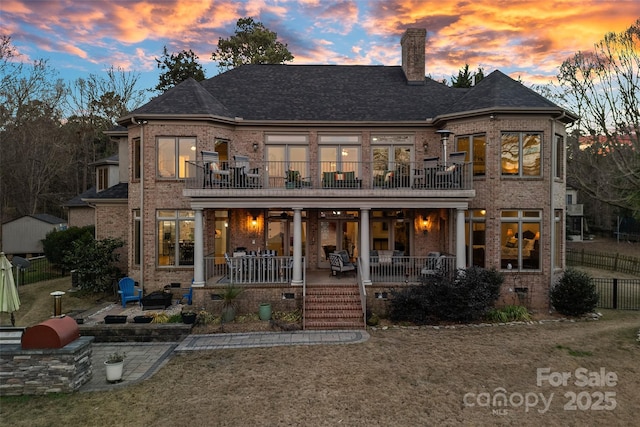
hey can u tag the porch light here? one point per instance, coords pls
(425, 225)
(255, 146)
(254, 221)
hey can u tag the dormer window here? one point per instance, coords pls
(102, 178)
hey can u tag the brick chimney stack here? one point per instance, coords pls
(413, 62)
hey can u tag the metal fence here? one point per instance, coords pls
(623, 294)
(604, 261)
(39, 269)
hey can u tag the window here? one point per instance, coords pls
(521, 154)
(475, 237)
(286, 153)
(557, 246)
(173, 154)
(136, 158)
(136, 236)
(520, 240)
(102, 178)
(339, 153)
(559, 154)
(175, 237)
(475, 146)
(392, 154)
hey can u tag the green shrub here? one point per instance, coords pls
(467, 297)
(509, 313)
(574, 294)
(93, 260)
(56, 243)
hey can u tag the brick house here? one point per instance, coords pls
(399, 172)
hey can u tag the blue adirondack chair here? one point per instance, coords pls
(189, 295)
(128, 291)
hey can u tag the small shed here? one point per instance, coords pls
(24, 235)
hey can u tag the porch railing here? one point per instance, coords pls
(265, 270)
(382, 175)
(409, 269)
(249, 270)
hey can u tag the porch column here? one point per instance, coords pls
(364, 246)
(198, 250)
(460, 253)
(296, 279)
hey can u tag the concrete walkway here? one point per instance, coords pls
(145, 359)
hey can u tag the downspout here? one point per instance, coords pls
(142, 217)
(552, 214)
(552, 231)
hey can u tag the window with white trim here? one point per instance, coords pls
(339, 153)
(286, 153)
(475, 146)
(520, 239)
(475, 232)
(175, 243)
(173, 153)
(521, 154)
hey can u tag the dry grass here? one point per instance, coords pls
(36, 303)
(400, 377)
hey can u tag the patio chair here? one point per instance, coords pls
(244, 175)
(213, 173)
(328, 179)
(451, 176)
(189, 295)
(426, 177)
(339, 266)
(128, 291)
(434, 265)
(293, 179)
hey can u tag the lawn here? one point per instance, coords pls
(560, 373)
(400, 377)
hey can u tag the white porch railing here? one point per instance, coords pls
(250, 269)
(408, 269)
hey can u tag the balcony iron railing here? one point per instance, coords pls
(329, 175)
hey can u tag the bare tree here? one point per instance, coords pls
(96, 103)
(30, 120)
(603, 88)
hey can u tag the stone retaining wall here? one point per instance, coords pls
(136, 332)
(62, 370)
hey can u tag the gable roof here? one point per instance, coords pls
(335, 93)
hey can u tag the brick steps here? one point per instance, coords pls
(333, 307)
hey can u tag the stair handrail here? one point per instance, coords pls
(304, 293)
(363, 293)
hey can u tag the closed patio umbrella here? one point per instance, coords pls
(9, 300)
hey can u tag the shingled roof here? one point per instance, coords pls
(498, 90)
(335, 93)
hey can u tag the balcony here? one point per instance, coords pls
(575, 210)
(348, 179)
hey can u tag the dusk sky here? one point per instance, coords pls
(525, 39)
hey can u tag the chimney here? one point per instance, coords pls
(413, 45)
